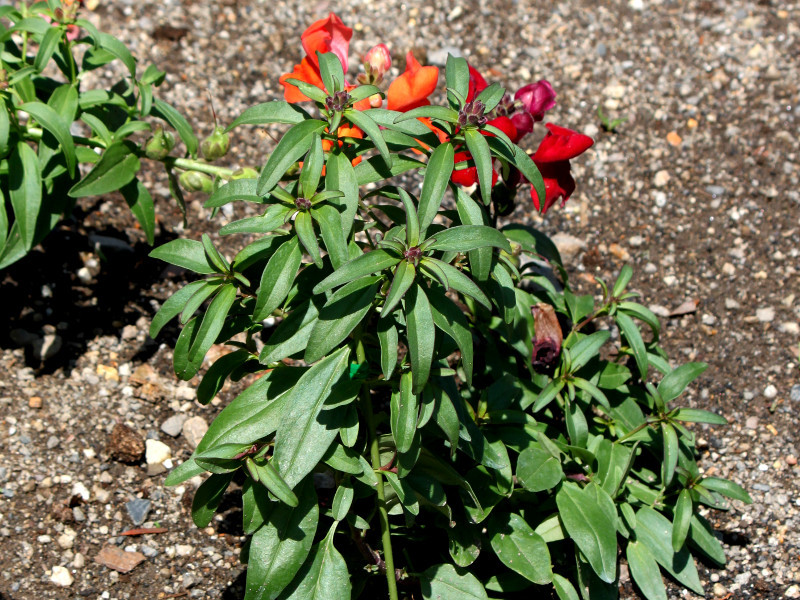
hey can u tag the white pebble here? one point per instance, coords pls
(770, 392)
(61, 576)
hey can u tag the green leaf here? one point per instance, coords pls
(236, 189)
(279, 548)
(293, 145)
(277, 279)
(304, 228)
(463, 238)
(472, 213)
(208, 497)
(479, 149)
(404, 275)
(671, 450)
(292, 335)
(437, 176)
(642, 313)
(727, 488)
(375, 169)
(364, 264)
(25, 191)
(164, 111)
(213, 255)
(388, 338)
(141, 204)
(674, 382)
(449, 318)
(564, 588)
(117, 167)
(634, 338)
(550, 391)
(590, 520)
(440, 113)
(538, 470)
(324, 576)
(411, 219)
(111, 44)
(274, 483)
(304, 437)
(173, 306)
(404, 410)
(421, 335)
(312, 168)
(342, 501)
(457, 75)
(188, 254)
(445, 582)
(530, 171)
(683, 519)
(184, 368)
(330, 227)
(696, 415)
(47, 46)
(491, 96)
(213, 322)
(459, 281)
(341, 177)
(655, 532)
(343, 311)
(275, 216)
(330, 68)
(365, 91)
(5, 128)
(215, 377)
(644, 571)
(270, 112)
(702, 538)
(309, 90)
(363, 121)
(577, 428)
(587, 348)
(520, 548)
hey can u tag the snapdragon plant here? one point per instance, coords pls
(437, 414)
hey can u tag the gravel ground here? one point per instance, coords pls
(697, 189)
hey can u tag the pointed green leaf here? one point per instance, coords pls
(270, 112)
(292, 335)
(437, 176)
(141, 204)
(188, 254)
(520, 548)
(538, 470)
(589, 522)
(644, 571)
(277, 278)
(303, 437)
(683, 519)
(421, 335)
(364, 264)
(404, 275)
(117, 167)
(463, 238)
(727, 488)
(460, 282)
(236, 189)
(213, 322)
(293, 145)
(324, 576)
(479, 149)
(166, 112)
(278, 550)
(670, 461)
(330, 227)
(370, 127)
(449, 318)
(634, 339)
(388, 338)
(25, 191)
(674, 382)
(208, 497)
(312, 168)
(403, 410)
(444, 582)
(697, 415)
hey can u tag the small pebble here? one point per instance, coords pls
(138, 508)
(770, 392)
(765, 315)
(794, 395)
(61, 576)
(791, 460)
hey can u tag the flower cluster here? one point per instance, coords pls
(515, 116)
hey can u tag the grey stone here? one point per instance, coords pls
(174, 425)
(761, 487)
(193, 430)
(138, 509)
(794, 395)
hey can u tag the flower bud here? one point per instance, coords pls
(537, 98)
(193, 181)
(244, 173)
(547, 337)
(216, 145)
(377, 63)
(160, 145)
(472, 113)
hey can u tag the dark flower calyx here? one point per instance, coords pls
(337, 102)
(506, 107)
(413, 254)
(302, 203)
(472, 114)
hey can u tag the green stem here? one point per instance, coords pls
(187, 164)
(375, 456)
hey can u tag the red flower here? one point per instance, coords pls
(413, 87)
(325, 35)
(552, 158)
(505, 125)
(537, 98)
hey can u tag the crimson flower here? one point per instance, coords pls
(552, 158)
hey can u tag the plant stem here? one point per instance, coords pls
(375, 457)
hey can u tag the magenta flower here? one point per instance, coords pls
(537, 98)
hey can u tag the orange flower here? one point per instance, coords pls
(325, 35)
(413, 87)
